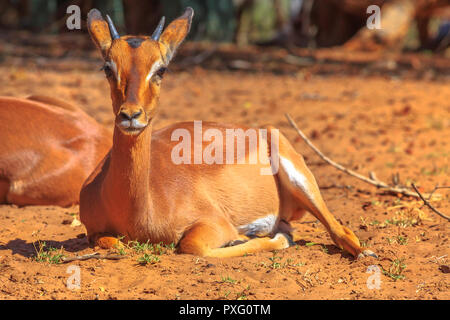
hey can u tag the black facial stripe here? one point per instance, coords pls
(135, 42)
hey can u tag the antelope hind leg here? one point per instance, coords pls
(296, 179)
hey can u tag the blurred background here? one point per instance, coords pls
(279, 36)
(414, 24)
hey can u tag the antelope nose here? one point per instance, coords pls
(127, 116)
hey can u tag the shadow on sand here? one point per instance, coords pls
(29, 249)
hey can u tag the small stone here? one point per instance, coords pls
(444, 269)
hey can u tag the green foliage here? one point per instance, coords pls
(395, 270)
(149, 253)
(47, 254)
(228, 279)
(148, 259)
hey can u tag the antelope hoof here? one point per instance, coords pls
(287, 240)
(367, 253)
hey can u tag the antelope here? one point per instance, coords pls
(138, 194)
(47, 150)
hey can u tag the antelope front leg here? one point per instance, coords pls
(207, 238)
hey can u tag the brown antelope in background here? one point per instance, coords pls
(47, 150)
(139, 193)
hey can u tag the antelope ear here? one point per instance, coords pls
(175, 33)
(99, 31)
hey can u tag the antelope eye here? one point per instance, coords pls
(161, 71)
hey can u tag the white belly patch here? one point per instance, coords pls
(260, 227)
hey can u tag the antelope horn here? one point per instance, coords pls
(157, 33)
(112, 29)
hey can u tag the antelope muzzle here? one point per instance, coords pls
(131, 120)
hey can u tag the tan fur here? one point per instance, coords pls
(54, 102)
(139, 193)
(48, 148)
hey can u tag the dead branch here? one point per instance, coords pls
(436, 188)
(335, 186)
(198, 59)
(372, 180)
(428, 204)
(94, 255)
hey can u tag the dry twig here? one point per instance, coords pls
(372, 180)
(429, 205)
(434, 190)
(94, 255)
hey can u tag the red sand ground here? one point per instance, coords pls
(385, 124)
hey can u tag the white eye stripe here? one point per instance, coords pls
(111, 64)
(154, 68)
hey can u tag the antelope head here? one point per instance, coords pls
(135, 65)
